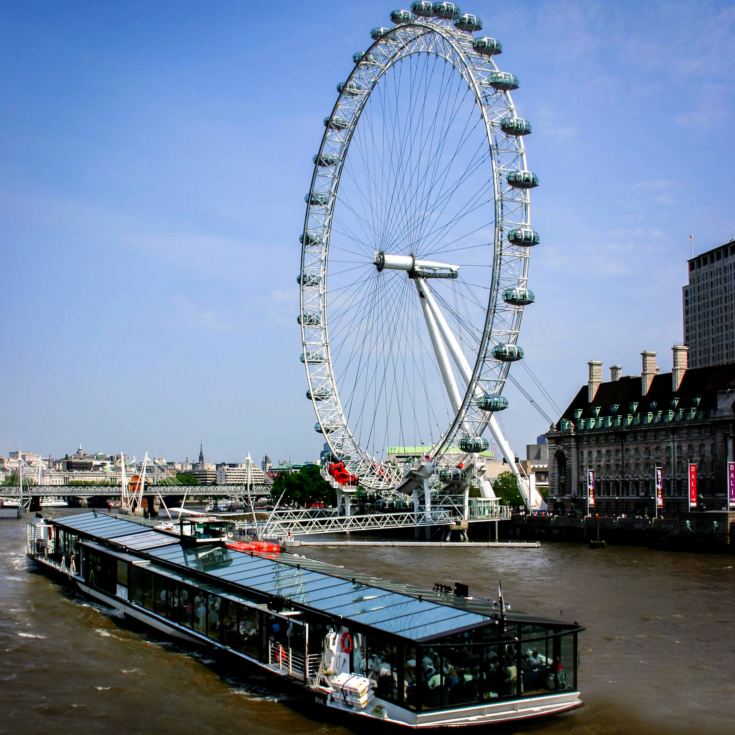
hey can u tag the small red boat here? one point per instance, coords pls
(258, 547)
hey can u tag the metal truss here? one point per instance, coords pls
(287, 523)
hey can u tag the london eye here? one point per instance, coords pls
(415, 247)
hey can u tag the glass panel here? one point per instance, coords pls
(376, 602)
(328, 597)
(213, 617)
(101, 571)
(184, 611)
(122, 572)
(135, 593)
(494, 675)
(431, 623)
(509, 664)
(315, 590)
(239, 566)
(410, 682)
(248, 626)
(200, 611)
(536, 659)
(384, 609)
(563, 665)
(164, 590)
(461, 673)
(382, 667)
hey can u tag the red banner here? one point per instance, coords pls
(692, 486)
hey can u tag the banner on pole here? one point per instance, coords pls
(692, 486)
(591, 487)
(731, 485)
(659, 488)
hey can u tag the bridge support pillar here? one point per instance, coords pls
(35, 504)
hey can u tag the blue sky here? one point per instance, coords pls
(153, 162)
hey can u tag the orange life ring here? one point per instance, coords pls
(345, 641)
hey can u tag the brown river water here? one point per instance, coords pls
(657, 656)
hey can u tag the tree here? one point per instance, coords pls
(505, 488)
(13, 480)
(304, 487)
(186, 478)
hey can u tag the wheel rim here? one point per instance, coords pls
(414, 162)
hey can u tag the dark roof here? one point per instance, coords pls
(704, 383)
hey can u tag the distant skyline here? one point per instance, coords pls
(153, 163)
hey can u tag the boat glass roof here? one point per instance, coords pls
(385, 609)
(392, 607)
(101, 525)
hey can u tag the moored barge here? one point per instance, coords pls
(350, 642)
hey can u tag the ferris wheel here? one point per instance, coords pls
(415, 247)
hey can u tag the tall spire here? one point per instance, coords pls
(201, 453)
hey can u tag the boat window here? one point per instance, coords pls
(164, 592)
(382, 667)
(461, 675)
(410, 678)
(200, 611)
(228, 615)
(214, 617)
(141, 586)
(122, 573)
(247, 638)
(183, 611)
(101, 571)
(564, 664)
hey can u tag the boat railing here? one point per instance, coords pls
(314, 668)
(286, 660)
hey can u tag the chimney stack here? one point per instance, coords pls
(681, 362)
(648, 371)
(615, 371)
(595, 378)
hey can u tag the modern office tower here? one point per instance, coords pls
(709, 307)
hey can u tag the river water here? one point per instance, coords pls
(658, 654)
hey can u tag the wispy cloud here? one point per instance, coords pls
(709, 109)
(183, 312)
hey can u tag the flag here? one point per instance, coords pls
(659, 488)
(692, 486)
(591, 487)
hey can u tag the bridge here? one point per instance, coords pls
(285, 524)
(114, 491)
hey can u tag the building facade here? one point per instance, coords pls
(623, 429)
(247, 473)
(709, 307)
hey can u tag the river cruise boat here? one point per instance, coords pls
(353, 643)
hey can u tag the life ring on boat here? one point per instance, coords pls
(281, 653)
(345, 642)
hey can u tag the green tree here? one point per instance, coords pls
(304, 487)
(12, 480)
(186, 478)
(505, 487)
